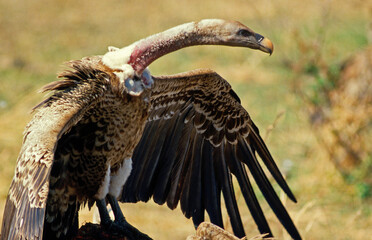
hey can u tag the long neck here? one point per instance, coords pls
(149, 49)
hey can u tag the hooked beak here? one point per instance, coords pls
(265, 44)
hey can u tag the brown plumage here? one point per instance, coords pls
(203, 136)
(186, 135)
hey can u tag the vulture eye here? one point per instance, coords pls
(244, 33)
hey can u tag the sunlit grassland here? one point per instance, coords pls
(36, 37)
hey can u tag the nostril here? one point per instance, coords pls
(259, 37)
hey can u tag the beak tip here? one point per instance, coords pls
(267, 45)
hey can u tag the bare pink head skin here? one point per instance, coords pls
(133, 60)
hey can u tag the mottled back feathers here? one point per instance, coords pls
(26, 202)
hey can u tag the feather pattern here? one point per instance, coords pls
(30, 186)
(204, 136)
(72, 138)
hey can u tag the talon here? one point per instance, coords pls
(117, 229)
(134, 232)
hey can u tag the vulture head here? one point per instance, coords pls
(130, 63)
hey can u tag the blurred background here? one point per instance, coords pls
(312, 99)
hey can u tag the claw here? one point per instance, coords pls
(124, 229)
(117, 229)
(134, 232)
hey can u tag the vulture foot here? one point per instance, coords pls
(131, 232)
(117, 229)
(120, 226)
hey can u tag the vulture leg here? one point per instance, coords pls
(106, 221)
(120, 225)
(120, 219)
(119, 216)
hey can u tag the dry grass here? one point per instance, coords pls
(37, 36)
(337, 97)
(344, 124)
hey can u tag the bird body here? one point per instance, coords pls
(175, 138)
(107, 133)
(86, 152)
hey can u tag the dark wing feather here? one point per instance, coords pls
(197, 136)
(25, 206)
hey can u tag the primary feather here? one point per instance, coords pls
(204, 136)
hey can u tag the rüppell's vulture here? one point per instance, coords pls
(110, 131)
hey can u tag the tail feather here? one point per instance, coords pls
(61, 224)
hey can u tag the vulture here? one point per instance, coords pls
(110, 131)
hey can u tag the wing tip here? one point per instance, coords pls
(8, 219)
(291, 196)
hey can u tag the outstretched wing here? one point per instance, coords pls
(25, 206)
(197, 136)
